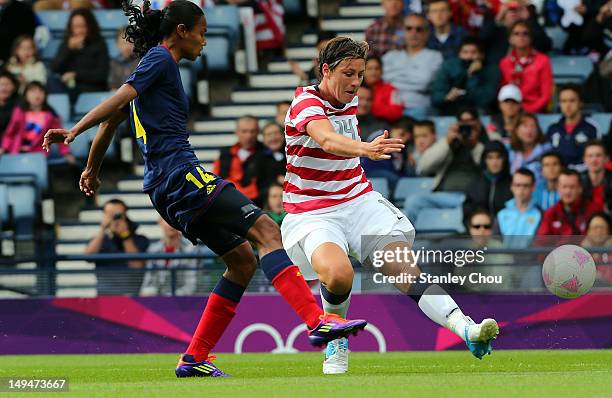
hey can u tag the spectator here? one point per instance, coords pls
(568, 216)
(528, 69)
(509, 100)
(397, 166)
(24, 62)
(412, 70)
(547, 194)
(445, 37)
(527, 145)
(465, 80)
(368, 124)
(424, 133)
(575, 44)
(387, 33)
(272, 162)
(158, 279)
(34, 118)
(454, 160)
(472, 14)
(281, 112)
(596, 179)
(597, 31)
(16, 19)
(117, 235)
(496, 30)
(570, 134)
(598, 235)
(274, 203)
(8, 104)
(238, 163)
(42, 5)
(82, 59)
(122, 66)
(521, 216)
(490, 190)
(312, 76)
(386, 104)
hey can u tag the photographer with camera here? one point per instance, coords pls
(454, 161)
(117, 234)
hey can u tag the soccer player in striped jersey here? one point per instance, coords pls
(200, 204)
(331, 203)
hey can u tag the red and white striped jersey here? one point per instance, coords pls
(316, 179)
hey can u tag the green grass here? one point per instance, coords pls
(416, 374)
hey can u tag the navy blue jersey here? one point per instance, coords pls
(158, 115)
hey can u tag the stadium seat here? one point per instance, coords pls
(545, 120)
(217, 53)
(87, 101)
(602, 122)
(571, 69)
(27, 167)
(442, 123)
(558, 37)
(411, 185)
(61, 104)
(186, 79)
(440, 221)
(48, 53)
(24, 201)
(4, 205)
(111, 45)
(293, 7)
(227, 18)
(110, 21)
(55, 20)
(381, 184)
(81, 145)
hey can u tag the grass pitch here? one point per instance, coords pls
(416, 374)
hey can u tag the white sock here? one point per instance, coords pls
(339, 309)
(443, 310)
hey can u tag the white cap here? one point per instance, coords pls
(510, 92)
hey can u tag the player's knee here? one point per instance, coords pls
(241, 262)
(265, 234)
(339, 278)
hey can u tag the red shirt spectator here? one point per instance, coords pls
(570, 215)
(386, 104)
(528, 69)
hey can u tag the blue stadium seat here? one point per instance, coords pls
(48, 53)
(186, 79)
(217, 53)
(442, 123)
(61, 104)
(225, 17)
(545, 120)
(55, 20)
(573, 69)
(24, 201)
(558, 37)
(111, 44)
(381, 184)
(26, 167)
(411, 185)
(440, 221)
(110, 21)
(602, 122)
(87, 101)
(81, 145)
(4, 205)
(292, 7)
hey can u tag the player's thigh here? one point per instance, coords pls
(376, 223)
(304, 234)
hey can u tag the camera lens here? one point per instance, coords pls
(117, 216)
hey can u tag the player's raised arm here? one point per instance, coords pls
(100, 113)
(330, 141)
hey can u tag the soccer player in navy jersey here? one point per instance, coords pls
(200, 204)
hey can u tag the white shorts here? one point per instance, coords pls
(345, 225)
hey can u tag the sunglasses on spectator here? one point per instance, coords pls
(479, 226)
(418, 29)
(520, 33)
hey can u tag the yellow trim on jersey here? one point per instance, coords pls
(140, 131)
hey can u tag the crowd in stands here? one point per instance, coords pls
(487, 64)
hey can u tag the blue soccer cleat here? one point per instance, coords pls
(332, 327)
(478, 337)
(189, 367)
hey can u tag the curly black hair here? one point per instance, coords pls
(147, 27)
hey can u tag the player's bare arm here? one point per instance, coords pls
(100, 113)
(330, 141)
(89, 181)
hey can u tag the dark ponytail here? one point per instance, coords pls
(147, 27)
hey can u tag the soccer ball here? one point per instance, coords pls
(569, 271)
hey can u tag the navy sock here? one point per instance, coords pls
(332, 298)
(229, 290)
(274, 263)
(416, 289)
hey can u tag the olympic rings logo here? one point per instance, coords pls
(287, 347)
